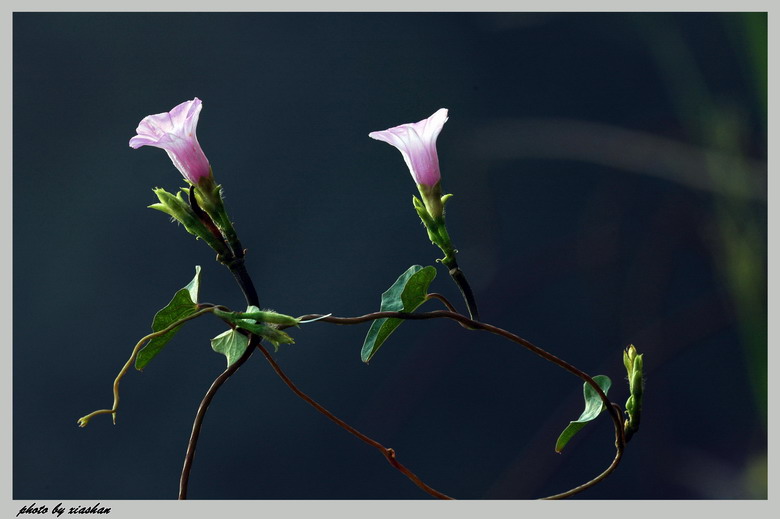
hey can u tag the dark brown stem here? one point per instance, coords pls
(239, 271)
(444, 300)
(465, 289)
(389, 454)
(437, 314)
(620, 445)
(196, 426)
(459, 278)
(613, 409)
(237, 268)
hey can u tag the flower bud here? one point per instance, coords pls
(634, 365)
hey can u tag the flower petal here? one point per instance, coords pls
(174, 132)
(417, 144)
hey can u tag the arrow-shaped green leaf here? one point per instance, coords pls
(406, 295)
(232, 344)
(183, 304)
(593, 407)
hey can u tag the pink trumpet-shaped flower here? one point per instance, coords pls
(174, 132)
(417, 144)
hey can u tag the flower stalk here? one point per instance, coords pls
(175, 132)
(417, 144)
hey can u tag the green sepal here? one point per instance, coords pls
(593, 407)
(408, 292)
(270, 333)
(628, 359)
(434, 223)
(426, 218)
(263, 316)
(230, 345)
(432, 199)
(180, 210)
(208, 195)
(183, 304)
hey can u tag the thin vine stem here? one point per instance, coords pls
(200, 415)
(444, 300)
(459, 278)
(84, 420)
(238, 269)
(478, 325)
(613, 409)
(244, 281)
(389, 454)
(619, 448)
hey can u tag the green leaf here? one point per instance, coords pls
(406, 295)
(593, 407)
(232, 344)
(183, 304)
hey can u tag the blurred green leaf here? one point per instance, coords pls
(406, 295)
(183, 304)
(593, 407)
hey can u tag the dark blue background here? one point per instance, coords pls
(609, 173)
